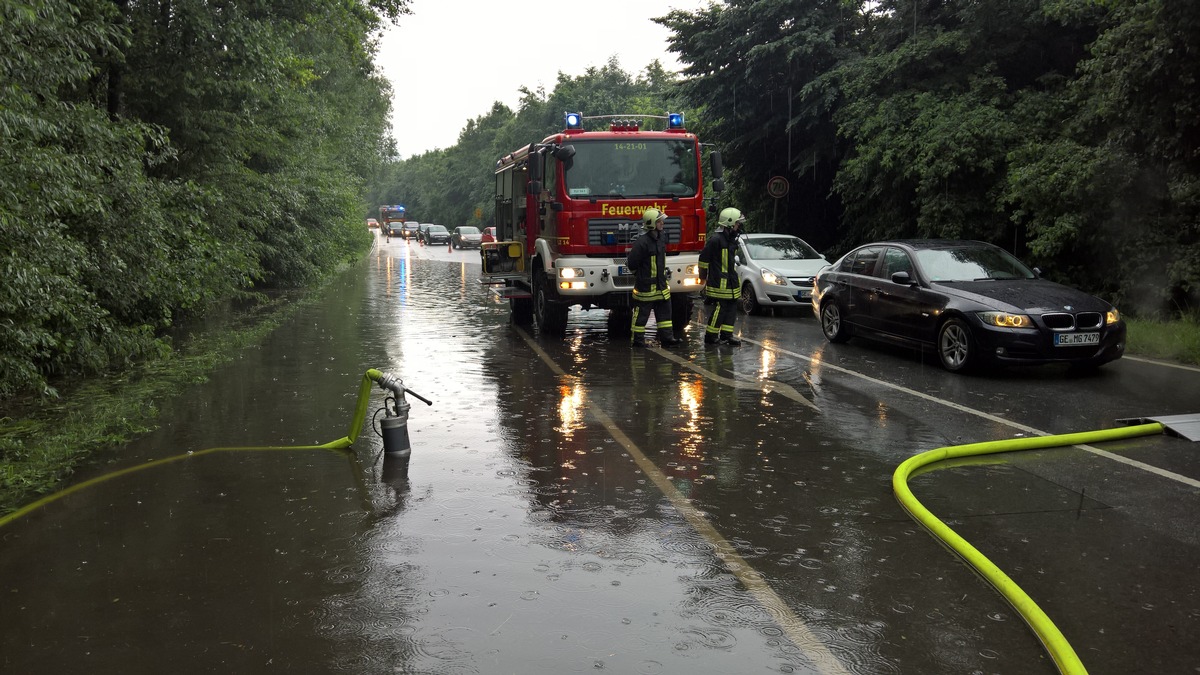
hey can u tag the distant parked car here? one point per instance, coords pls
(973, 302)
(776, 270)
(421, 231)
(436, 234)
(410, 229)
(489, 235)
(372, 224)
(466, 236)
(394, 229)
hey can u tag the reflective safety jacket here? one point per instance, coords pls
(648, 262)
(717, 269)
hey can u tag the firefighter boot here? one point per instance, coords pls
(639, 341)
(668, 340)
(710, 338)
(730, 340)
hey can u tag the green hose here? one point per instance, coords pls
(360, 414)
(1052, 639)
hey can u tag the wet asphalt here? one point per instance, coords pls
(575, 505)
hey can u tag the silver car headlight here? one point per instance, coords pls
(1006, 320)
(771, 277)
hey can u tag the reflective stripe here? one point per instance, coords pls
(652, 296)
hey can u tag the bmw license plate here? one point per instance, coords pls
(1073, 339)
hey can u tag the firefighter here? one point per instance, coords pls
(648, 261)
(722, 288)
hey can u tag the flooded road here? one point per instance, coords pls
(574, 505)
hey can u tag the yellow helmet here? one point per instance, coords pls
(650, 218)
(730, 217)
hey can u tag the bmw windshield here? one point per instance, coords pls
(631, 168)
(974, 263)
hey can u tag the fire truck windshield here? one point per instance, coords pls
(631, 168)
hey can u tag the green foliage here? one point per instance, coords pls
(166, 157)
(1066, 130)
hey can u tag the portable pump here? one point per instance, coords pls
(394, 426)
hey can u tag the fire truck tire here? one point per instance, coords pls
(549, 316)
(681, 315)
(620, 322)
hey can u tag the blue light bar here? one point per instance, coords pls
(674, 120)
(574, 120)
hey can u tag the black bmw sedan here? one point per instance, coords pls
(973, 302)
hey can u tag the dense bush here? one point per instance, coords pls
(158, 157)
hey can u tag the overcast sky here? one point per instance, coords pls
(450, 59)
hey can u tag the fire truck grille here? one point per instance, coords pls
(614, 231)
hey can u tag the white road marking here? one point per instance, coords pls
(987, 416)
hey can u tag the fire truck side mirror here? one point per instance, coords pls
(563, 152)
(535, 187)
(718, 170)
(718, 185)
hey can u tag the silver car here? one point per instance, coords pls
(776, 270)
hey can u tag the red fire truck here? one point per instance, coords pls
(391, 213)
(568, 208)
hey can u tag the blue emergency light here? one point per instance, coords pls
(674, 120)
(574, 121)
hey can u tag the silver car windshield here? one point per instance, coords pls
(978, 263)
(780, 248)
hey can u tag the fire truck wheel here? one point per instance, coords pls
(549, 316)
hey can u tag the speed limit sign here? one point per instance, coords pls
(777, 187)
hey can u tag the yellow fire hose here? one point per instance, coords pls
(360, 414)
(1059, 649)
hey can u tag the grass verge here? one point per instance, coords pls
(1169, 340)
(42, 442)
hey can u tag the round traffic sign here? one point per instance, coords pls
(777, 187)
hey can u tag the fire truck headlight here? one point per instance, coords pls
(572, 285)
(692, 270)
(570, 273)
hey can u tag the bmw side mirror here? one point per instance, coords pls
(902, 278)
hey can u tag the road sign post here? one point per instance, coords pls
(777, 187)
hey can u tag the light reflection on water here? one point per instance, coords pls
(523, 537)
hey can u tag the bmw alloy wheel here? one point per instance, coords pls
(954, 345)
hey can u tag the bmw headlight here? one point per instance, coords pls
(1111, 317)
(1006, 320)
(770, 277)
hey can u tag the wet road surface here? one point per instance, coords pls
(574, 505)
